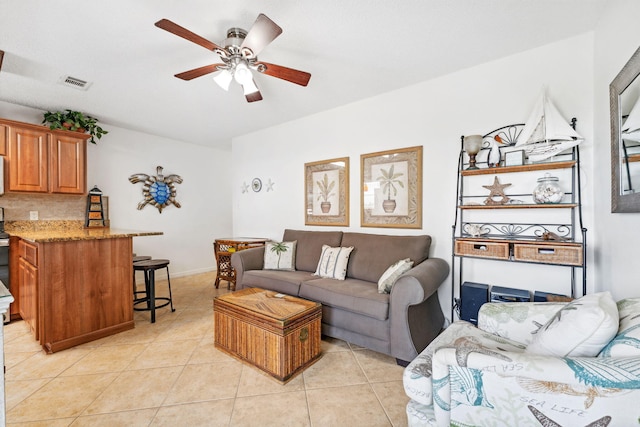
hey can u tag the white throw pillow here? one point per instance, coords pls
(581, 328)
(392, 273)
(280, 255)
(333, 262)
(627, 340)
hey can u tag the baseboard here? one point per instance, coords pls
(162, 273)
(192, 272)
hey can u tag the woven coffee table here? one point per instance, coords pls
(277, 333)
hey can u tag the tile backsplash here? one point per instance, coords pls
(49, 206)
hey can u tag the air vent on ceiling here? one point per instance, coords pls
(75, 83)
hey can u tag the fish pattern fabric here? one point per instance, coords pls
(473, 377)
(417, 376)
(627, 341)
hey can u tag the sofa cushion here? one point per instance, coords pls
(374, 253)
(333, 262)
(351, 295)
(287, 282)
(580, 328)
(356, 329)
(309, 246)
(280, 256)
(392, 273)
(627, 340)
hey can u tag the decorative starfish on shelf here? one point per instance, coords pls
(496, 190)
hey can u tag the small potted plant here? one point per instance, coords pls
(74, 121)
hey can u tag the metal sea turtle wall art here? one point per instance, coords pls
(158, 190)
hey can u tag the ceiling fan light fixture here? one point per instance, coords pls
(249, 87)
(223, 79)
(242, 73)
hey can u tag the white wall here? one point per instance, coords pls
(617, 38)
(205, 194)
(433, 114)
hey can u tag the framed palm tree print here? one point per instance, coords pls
(391, 188)
(327, 192)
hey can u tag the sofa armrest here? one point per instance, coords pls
(516, 320)
(248, 259)
(415, 314)
(504, 383)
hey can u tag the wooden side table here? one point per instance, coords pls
(224, 248)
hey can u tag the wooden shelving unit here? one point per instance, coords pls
(522, 168)
(561, 243)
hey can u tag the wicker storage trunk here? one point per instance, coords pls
(276, 333)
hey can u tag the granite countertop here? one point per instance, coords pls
(60, 231)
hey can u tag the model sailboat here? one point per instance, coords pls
(546, 133)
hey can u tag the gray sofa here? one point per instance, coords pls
(400, 324)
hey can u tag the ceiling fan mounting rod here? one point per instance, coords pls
(237, 33)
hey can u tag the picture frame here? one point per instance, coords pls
(514, 158)
(327, 192)
(391, 188)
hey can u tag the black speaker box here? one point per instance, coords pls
(539, 296)
(501, 294)
(472, 296)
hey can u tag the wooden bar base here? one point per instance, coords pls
(84, 291)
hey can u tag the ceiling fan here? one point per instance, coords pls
(239, 55)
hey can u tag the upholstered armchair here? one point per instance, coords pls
(532, 364)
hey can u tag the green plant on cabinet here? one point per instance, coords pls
(74, 121)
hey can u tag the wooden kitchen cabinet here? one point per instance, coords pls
(67, 168)
(27, 158)
(14, 280)
(28, 279)
(4, 137)
(40, 160)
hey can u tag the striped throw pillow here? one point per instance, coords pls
(333, 262)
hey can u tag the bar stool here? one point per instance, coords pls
(149, 268)
(138, 258)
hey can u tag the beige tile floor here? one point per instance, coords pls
(170, 374)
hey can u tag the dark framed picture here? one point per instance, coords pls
(391, 188)
(514, 158)
(327, 192)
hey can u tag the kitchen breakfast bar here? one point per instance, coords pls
(74, 285)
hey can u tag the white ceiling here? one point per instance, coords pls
(353, 49)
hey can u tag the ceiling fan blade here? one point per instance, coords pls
(253, 97)
(198, 72)
(263, 32)
(176, 29)
(289, 74)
